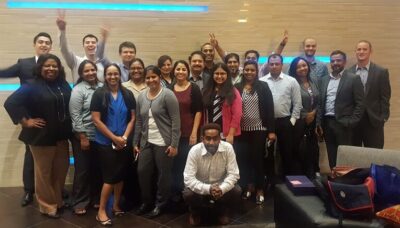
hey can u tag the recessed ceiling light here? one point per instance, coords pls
(242, 20)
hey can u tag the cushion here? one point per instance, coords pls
(391, 213)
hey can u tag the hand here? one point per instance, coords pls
(104, 31)
(285, 38)
(229, 139)
(272, 137)
(136, 150)
(119, 142)
(61, 23)
(310, 116)
(171, 151)
(85, 144)
(215, 191)
(213, 40)
(293, 121)
(320, 133)
(193, 139)
(33, 123)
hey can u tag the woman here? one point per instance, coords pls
(136, 83)
(258, 126)
(165, 65)
(158, 130)
(305, 137)
(222, 102)
(190, 108)
(42, 110)
(113, 114)
(87, 181)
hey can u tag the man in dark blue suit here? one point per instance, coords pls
(375, 80)
(24, 70)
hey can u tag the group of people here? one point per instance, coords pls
(192, 126)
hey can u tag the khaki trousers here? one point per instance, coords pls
(51, 166)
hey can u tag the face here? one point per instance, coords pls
(50, 70)
(208, 50)
(89, 45)
(127, 54)
(211, 140)
(363, 51)
(302, 68)
(152, 80)
(181, 72)
(197, 63)
(112, 76)
(166, 67)
(250, 72)
(337, 63)
(89, 73)
(136, 71)
(220, 76)
(275, 66)
(233, 65)
(310, 47)
(251, 56)
(42, 45)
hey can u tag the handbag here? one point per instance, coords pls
(387, 179)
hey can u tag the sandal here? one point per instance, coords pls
(106, 222)
(118, 213)
(80, 211)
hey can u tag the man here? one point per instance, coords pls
(377, 92)
(94, 50)
(210, 176)
(318, 69)
(127, 52)
(233, 62)
(209, 52)
(197, 74)
(23, 69)
(341, 106)
(287, 105)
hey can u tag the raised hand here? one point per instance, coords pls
(213, 40)
(285, 38)
(61, 23)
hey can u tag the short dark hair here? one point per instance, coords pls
(231, 55)
(81, 67)
(197, 53)
(210, 126)
(126, 44)
(365, 41)
(45, 34)
(252, 51)
(89, 36)
(154, 69)
(202, 46)
(339, 52)
(275, 56)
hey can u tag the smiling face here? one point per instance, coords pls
(233, 65)
(166, 68)
(42, 45)
(112, 76)
(275, 66)
(310, 47)
(50, 70)
(152, 80)
(337, 63)
(89, 73)
(250, 72)
(181, 72)
(302, 68)
(127, 54)
(89, 45)
(208, 50)
(136, 71)
(197, 64)
(363, 52)
(220, 76)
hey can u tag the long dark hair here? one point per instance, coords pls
(293, 68)
(226, 90)
(80, 70)
(39, 65)
(107, 94)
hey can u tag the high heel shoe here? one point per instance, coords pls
(246, 195)
(118, 213)
(106, 222)
(260, 199)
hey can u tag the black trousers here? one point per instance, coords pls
(28, 173)
(151, 158)
(365, 134)
(179, 165)
(87, 176)
(285, 136)
(335, 134)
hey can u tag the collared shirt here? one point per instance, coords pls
(136, 90)
(318, 69)
(286, 93)
(363, 73)
(124, 72)
(204, 169)
(198, 80)
(331, 93)
(79, 108)
(237, 79)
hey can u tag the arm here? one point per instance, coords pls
(358, 96)
(68, 55)
(172, 106)
(104, 31)
(232, 172)
(385, 95)
(189, 174)
(236, 110)
(217, 47)
(296, 101)
(197, 108)
(270, 109)
(138, 125)
(15, 104)
(131, 106)
(12, 71)
(75, 109)
(196, 124)
(282, 44)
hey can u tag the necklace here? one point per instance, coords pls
(60, 109)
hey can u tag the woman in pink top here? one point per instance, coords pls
(222, 102)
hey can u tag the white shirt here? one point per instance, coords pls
(204, 169)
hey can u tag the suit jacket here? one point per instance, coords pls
(349, 105)
(377, 94)
(23, 69)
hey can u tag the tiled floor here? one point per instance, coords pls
(13, 215)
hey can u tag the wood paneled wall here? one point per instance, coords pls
(336, 24)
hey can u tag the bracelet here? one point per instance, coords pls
(124, 138)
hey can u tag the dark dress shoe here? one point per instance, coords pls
(26, 199)
(154, 213)
(143, 209)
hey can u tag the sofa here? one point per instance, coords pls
(309, 211)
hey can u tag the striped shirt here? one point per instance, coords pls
(251, 120)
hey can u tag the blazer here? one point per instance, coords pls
(377, 94)
(349, 105)
(23, 69)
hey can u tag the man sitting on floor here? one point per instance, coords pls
(210, 176)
